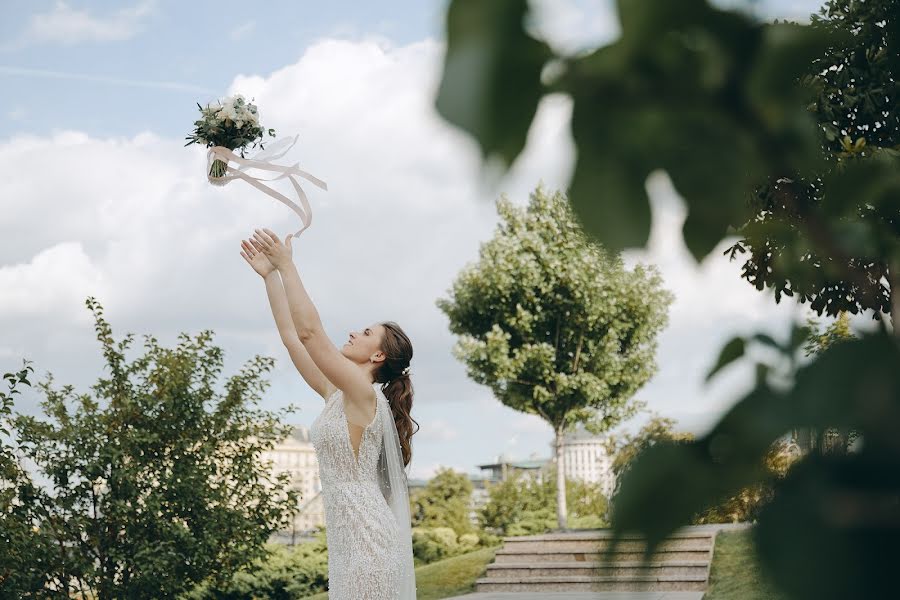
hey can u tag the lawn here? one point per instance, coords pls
(735, 573)
(448, 577)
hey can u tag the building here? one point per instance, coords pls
(585, 459)
(504, 467)
(296, 456)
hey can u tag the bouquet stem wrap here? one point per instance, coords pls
(262, 161)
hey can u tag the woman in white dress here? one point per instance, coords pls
(362, 437)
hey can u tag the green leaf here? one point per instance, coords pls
(731, 352)
(767, 340)
(607, 190)
(491, 78)
(831, 530)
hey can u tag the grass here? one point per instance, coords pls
(449, 577)
(735, 573)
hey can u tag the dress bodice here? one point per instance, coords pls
(330, 435)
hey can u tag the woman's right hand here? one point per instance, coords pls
(256, 259)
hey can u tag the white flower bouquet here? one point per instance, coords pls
(233, 124)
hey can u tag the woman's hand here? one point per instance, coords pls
(256, 259)
(268, 243)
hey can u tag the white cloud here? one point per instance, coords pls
(66, 25)
(53, 283)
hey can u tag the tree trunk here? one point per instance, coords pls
(560, 481)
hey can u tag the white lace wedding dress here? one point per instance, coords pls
(366, 552)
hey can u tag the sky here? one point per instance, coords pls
(101, 198)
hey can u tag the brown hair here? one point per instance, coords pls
(397, 387)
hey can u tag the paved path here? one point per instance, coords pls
(581, 596)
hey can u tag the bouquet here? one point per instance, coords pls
(233, 125)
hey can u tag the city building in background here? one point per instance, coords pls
(296, 456)
(585, 459)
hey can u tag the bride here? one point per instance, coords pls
(362, 437)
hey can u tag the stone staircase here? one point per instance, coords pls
(572, 562)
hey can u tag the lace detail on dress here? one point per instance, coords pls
(364, 556)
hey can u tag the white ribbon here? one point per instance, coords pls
(261, 161)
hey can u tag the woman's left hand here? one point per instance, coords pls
(279, 254)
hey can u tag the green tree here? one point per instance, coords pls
(855, 106)
(443, 502)
(524, 505)
(830, 439)
(555, 325)
(27, 554)
(284, 573)
(710, 95)
(624, 447)
(746, 505)
(161, 487)
(519, 505)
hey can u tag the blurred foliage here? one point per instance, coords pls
(745, 506)
(284, 573)
(712, 97)
(555, 325)
(443, 502)
(624, 447)
(841, 262)
(159, 489)
(831, 439)
(684, 82)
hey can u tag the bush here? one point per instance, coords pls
(287, 573)
(434, 543)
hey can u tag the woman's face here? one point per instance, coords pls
(363, 344)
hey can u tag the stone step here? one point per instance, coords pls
(576, 583)
(544, 544)
(606, 534)
(694, 568)
(516, 556)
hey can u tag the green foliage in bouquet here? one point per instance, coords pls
(232, 124)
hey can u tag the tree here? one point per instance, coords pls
(555, 325)
(855, 87)
(523, 505)
(625, 447)
(161, 487)
(284, 573)
(443, 502)
(519, 505)
(27, 563)
(746, 505)
(830, 439)
(710, 96)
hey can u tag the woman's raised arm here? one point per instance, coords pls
(338, 369)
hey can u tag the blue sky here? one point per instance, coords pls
(200, 45)
(100, 198)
